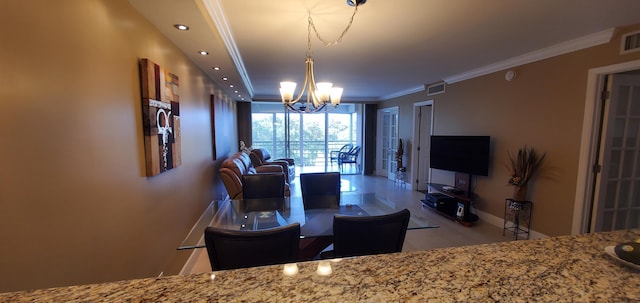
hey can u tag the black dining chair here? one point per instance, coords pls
(320, 190)
(368, 235)
(263, 185)
(231, 249)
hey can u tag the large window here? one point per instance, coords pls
(311, 136)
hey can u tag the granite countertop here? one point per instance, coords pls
(560, 269)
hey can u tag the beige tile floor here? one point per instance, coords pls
(449, 233)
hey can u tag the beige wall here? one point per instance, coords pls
(543, 107)
(75, 204)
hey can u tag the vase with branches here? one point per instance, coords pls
(399, 154)
(523, 166)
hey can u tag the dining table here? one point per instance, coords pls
(315, 223)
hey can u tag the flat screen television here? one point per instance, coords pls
(462, 154)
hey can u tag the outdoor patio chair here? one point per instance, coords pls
(334, 155)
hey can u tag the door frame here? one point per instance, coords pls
(589, 139)
(414, 173)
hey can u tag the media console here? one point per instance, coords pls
(450, 203)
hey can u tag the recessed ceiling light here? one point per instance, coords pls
(216, 68)
(181, 27)
(225, 78)
(204, 53)
(230, 85)
(235, 91)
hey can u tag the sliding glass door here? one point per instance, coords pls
(307, 138)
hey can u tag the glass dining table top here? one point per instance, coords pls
(256, 214)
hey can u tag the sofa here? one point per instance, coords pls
(261, 156)
(239, 164)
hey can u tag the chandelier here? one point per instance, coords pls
(318, 95)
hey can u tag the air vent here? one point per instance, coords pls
(435, 89)
(630, 43)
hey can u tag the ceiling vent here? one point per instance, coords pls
(435, 89)
(630, 43)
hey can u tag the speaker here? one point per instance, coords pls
(460, 211)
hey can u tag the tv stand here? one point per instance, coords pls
(455, 206)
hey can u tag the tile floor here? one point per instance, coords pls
(449, 234)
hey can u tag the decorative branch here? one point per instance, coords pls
(524, 165)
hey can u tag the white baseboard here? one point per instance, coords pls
(193, 258)
(499, 222)
(403, 184)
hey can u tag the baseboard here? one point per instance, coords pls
(499, 222)
(193, 258)
(404, 185)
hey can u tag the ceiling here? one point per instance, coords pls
(393, 47)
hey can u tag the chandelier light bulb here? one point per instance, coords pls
(287, 89)
(324, 91)
(336, 94)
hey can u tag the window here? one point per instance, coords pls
(311, 136)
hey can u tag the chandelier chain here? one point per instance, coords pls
(329, 43)
(318, 95)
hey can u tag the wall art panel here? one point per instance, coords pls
(160, 118)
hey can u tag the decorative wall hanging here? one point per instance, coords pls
(213, 128)
(160, 118)
(224, 126)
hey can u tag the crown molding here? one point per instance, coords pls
(403, 93)
(591, 40)
(216, 14)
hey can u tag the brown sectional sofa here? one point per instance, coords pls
(239, 164)
(261, 156)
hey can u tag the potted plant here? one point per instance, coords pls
(523, 166)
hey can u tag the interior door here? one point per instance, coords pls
(424, 146)
(392, 144)
(386, 146)
(617, 189)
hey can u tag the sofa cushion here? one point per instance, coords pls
(261, 156)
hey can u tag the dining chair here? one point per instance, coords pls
(263, 185)
(231, 249)
(320, 190)
(368, 235)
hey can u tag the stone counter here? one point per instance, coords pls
(562, 269)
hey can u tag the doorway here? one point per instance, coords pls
(422, 129)
(610, 151)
